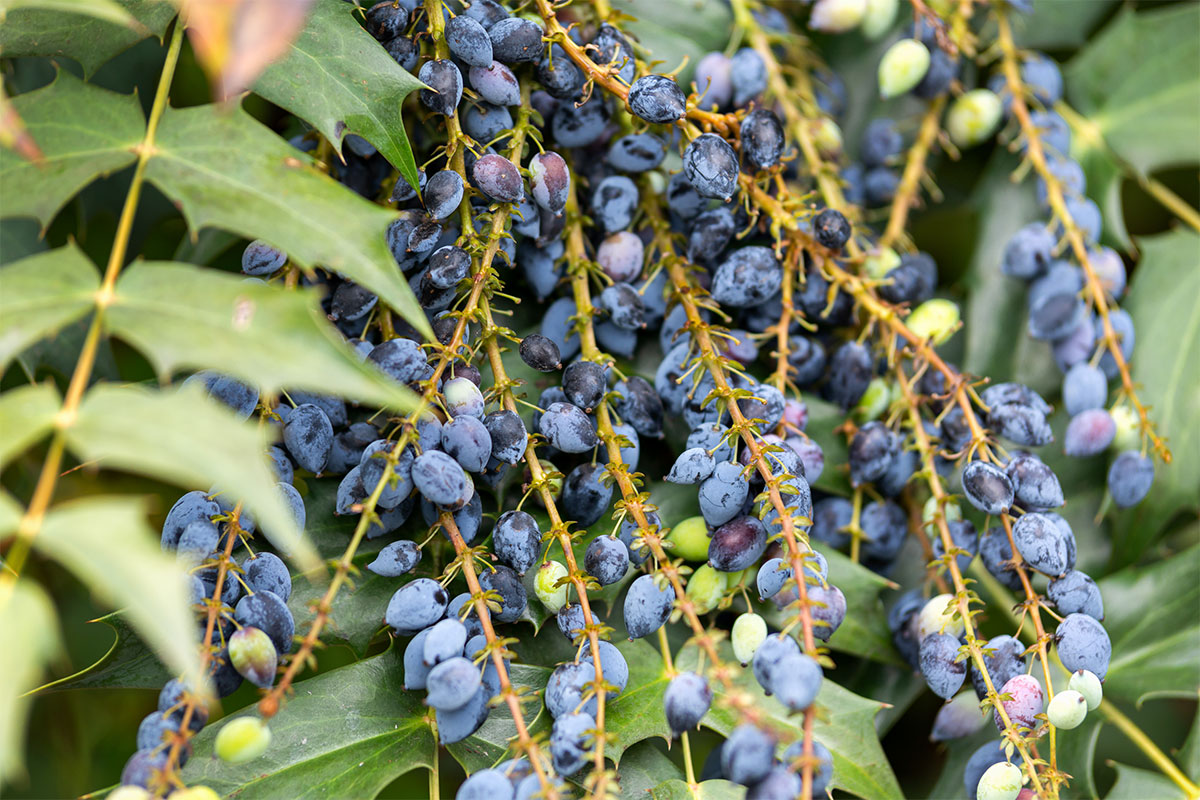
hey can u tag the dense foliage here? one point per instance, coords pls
(504, 400)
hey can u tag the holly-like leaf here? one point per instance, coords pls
(845, 723)
(677, 789)
(645, 767)
(26, 415)
(224, 168)
(864, 632)
(265, 335)
(1143, 66)
(107, 544)
(1059, 26)
(636, 714)
(41, 294)
(1138, 784)
(184, 437)
(338, 78)
(77, 31)
(30, 627)
(1162, 303)
(345, 733)
(128, 664)
(1152, 615)
(675, 30)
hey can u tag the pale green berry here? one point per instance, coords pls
(878, 18)
(1067, 709)
(902, 67)
(552, 594)
(749, 631)
(1128, 435)
(253, 655)
(938, 616)
(879, 263)
(973, 117)
(691, 539)
(1087, 684)
(555, 483)
(1001, 782)
(242, 739)
(827, 136)
(875, 400)
(130, 793)
(837, 16)
(732, 579)
(705, 588)
(935, 319)
(929, 512)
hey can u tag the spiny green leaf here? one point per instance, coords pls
(80, 33)
(845, 723)
(637, 713)
(1162, 302)
(226, 169)
(41, 294)
(26, 415)
(78, 148)
(864, 632)
(345, 733)
(644, 767)
(106, 542)
(1144, 66)
(183, 436)
(677, 789)
(185, 316)
(338, 78)
(108, 10)
(128, 663)
(1152, 615)
(1139, 784)
(30, 627)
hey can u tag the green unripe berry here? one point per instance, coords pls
(1128, 435)
(827, 136)
(973, 117)
(875, 400)
(546, 586)
(1067, 709)
(902, 67)
(242, 739)
(705, 588)
(691, 539)
(253, 655)
(130, 793)
(556, 483)
(880, 262)
(837, 16)
(935, 319)
(938, 616)
(878, 17)
(1087, 684)
(749, 631)
(929, 512)
(732, 579)
(1001, 782)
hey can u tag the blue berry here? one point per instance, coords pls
(748, 277)
(1084, 387)
(1083, 643)
(1076, 593)
(987, 487)
(747, 755)
(445, 86)
(416, 605)
(637, 152)
(586, 493)
(396, 559)
(267, 612)
(267, 572)
(507, 584)
(686, 701)
(647, 607)
(569, 739)
(943, 674)
(441, 481)
(723, 493)
(1089, 432)
(737, 544)
(614, 202)
(515, 40)
(1044, 544)
(657, 98)
(606, 560)
(711, 166)
(748, 74)
(567, 428)
(1130, 477)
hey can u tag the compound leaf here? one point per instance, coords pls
(636, 714)
(185, 316)
(1161, 301)
(677, 789)
(77, 148)
(106, 542)
(30, 626)
(337, 77)
(41, 294)
(128, 663)
(645, 767)
(26, 415)
(184, 437)
(845, 723)
(1143, 66)
(346, 733)
(81, 29)
(1134, 783)
(226, 169)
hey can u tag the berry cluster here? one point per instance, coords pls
(641, 215)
